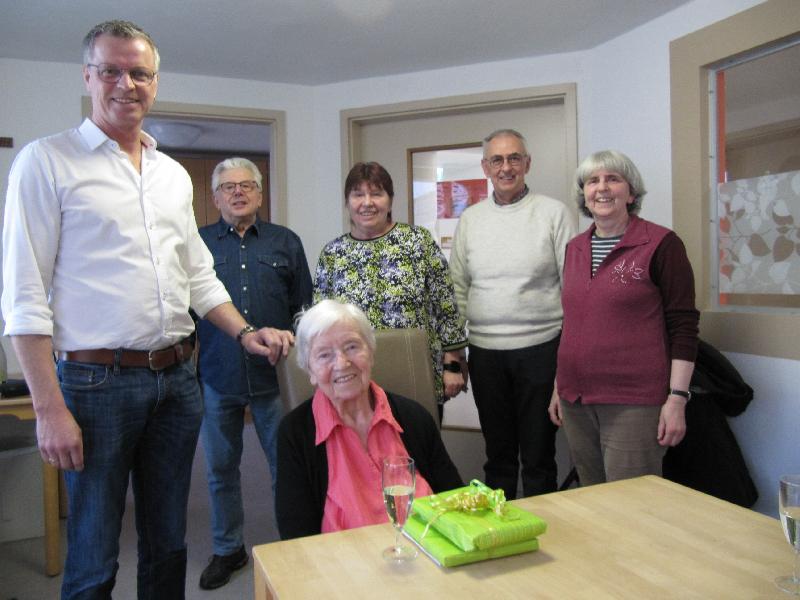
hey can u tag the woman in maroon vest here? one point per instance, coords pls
(629, 336)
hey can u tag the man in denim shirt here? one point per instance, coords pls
(264, 268)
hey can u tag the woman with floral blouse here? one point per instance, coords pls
(395, 273)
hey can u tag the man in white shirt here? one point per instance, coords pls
(506, 264)
(101, 263)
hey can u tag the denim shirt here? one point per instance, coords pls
(267, 276)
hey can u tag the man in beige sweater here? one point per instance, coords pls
(506, 264)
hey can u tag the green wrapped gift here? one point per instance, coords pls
(476, 517)
(446, 554)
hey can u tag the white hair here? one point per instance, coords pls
(235, 162)
(320, 318)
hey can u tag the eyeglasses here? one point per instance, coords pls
(514, 160)
(112, 74)
(230, 187)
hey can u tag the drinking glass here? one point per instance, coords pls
(398, 480)
(789, 505)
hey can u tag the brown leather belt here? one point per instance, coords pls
(155, 360)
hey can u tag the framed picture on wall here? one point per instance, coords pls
(443, 181)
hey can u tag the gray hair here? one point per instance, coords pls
(120, 29)
(609, 160)
(504, 132)
(320, 318)
(235, 162)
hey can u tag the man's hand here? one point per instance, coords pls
(269, 342)
(60, 439)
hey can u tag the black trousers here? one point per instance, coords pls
(512, 390)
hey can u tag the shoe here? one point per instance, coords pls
(220, 568)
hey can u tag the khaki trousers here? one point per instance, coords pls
(609, 442)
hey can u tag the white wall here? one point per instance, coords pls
(623, 103)
(769, 429)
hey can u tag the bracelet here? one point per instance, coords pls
(245, 330)
(452, 367)
(681, 393)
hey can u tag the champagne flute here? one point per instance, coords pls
(789, 501)
(398, 481)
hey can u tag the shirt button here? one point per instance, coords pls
(242, 246)
(244, 288)
(274, 264)
(245, 311)
(244, 266)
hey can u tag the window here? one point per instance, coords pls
(755, 182)
(693, 59)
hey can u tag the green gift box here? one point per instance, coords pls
(481, 529)
(446, 554)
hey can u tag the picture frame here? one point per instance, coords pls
(442, 182)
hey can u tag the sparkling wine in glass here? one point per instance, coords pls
(398, 479)
(789, 506)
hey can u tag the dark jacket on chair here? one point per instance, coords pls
(709, 459)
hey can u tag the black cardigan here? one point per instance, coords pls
(302, 483)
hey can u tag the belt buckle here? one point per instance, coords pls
(152, 360)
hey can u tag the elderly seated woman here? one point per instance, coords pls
(330, 448)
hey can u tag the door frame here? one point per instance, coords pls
(352, 120)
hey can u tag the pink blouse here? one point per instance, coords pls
(355, 495)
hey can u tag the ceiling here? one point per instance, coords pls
(316, 42)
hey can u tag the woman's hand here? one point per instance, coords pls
(453, 383)
(554, 410)
(672, 421)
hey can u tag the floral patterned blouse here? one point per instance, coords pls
(399, 280)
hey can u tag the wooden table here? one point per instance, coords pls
(22, 408)
(641, 538)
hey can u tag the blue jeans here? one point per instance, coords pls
(222, 439)
(144, 425)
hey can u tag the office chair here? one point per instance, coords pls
(402, 365)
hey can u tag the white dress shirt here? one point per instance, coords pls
(97, 255)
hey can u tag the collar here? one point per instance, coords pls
(223, 228)
(636, 233)
(383, 235)
(520, 195)
(96, 137)
(327, 418)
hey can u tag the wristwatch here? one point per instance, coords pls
(245, 330)
(452, 367)
(681, 393)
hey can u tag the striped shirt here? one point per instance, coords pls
(601, 247)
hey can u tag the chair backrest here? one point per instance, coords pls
(402, 365)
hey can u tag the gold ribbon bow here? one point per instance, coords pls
(476, 497)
